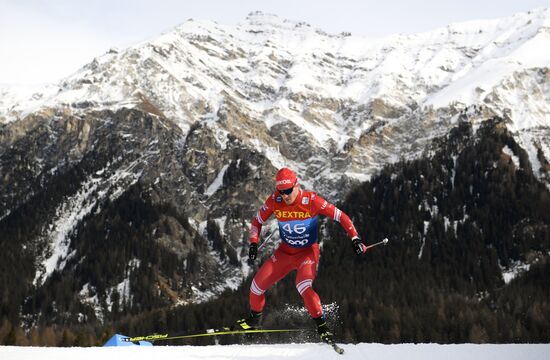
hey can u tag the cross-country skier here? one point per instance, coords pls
(297, 212)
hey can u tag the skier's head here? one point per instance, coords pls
(286, 183)
(285, 179)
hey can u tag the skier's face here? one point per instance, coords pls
(289, 197)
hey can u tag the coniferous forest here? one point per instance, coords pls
(456, 219)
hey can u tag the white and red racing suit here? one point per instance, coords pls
(299, 248)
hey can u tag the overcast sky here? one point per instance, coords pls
(43, 41)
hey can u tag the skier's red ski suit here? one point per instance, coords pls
(299, 249)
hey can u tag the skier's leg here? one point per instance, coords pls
(306, 272)
(274, 269)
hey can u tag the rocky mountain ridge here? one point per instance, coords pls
(332, 89)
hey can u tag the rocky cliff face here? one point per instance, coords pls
(194, 124)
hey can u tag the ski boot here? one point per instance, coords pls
(323, 330)
(253, 322)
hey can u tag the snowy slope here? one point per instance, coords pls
(288, 351)
(504, 47)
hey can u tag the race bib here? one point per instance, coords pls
(299, 233)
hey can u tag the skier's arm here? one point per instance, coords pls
(256, 227)
(329, 210)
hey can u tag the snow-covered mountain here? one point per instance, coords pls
(203, 115)
(333, 90)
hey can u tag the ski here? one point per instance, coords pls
(220, 332)
(209, 332)
(336, 348)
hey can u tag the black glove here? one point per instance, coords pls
(358, 246)
(252, 251)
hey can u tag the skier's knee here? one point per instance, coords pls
(303, 285)
(255, 289)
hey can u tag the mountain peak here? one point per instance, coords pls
(198, 61)
(263, 18)
(258, 22)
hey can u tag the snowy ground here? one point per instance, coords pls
(287, 351)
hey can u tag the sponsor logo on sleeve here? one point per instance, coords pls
(305, 200)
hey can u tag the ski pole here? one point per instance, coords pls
(265, 241)
(383, 242)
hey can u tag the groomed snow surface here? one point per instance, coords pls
(287, 351)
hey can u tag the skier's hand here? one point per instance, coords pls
(358, 246)
(252, 252)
